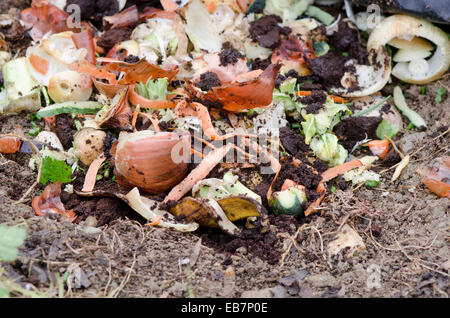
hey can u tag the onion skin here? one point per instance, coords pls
(109, 90)
(144, 160)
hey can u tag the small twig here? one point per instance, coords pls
(412, 259)
(395, 147)
(320, 237)
(368, 110)
(126, 279)
(445, 86)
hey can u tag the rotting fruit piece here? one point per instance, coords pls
(50, 202)
(9, 144)
(437, 177)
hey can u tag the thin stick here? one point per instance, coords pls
(126, 279)
(395, 147)
(368, 110)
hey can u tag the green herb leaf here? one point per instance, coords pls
(54, 170)
(410, 126)
(320, 48)
(345, 54)
(440, 93)
(385, 128)
(372, 183)
(333, 189)
(35, 129)
(423, 90)
(11, 238)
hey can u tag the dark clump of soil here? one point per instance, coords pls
(391, 158)
(329, 68)
(95, 10)
(344, 37)
(353, 129)
(303, 175)
(132, 59)
(258, 64)
(314, 102)
(65, 130)
(292, 141)
(320, 165)
(283, 222)
(267, 32)
(208, 80)
(16, 36)
(111, 37)
(229, 55)
(359, 52)
(346, 45)
(104, 209)
(108, 143)
(255, 243)
(295, 144)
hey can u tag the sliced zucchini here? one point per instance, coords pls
(22, 91)
(320, 15)
(237, 188)
(84, 108)
(289, 201)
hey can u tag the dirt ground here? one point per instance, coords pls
(405, 229)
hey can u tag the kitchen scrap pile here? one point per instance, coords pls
(215, 113)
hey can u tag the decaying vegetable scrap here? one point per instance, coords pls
(160, 96)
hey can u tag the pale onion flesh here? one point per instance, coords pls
(410, 55)
(200, 29)
(404, 27)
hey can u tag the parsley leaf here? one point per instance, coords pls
(440, 92)
(54, 170)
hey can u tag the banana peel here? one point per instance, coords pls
(221, 213)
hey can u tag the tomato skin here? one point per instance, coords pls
(9, 145)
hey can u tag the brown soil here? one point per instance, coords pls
(267, 32)
(229, 55)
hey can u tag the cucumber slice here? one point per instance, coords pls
(85, 108)
(288, 201)
(22, 91)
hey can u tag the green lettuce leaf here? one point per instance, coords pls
(11, 238)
